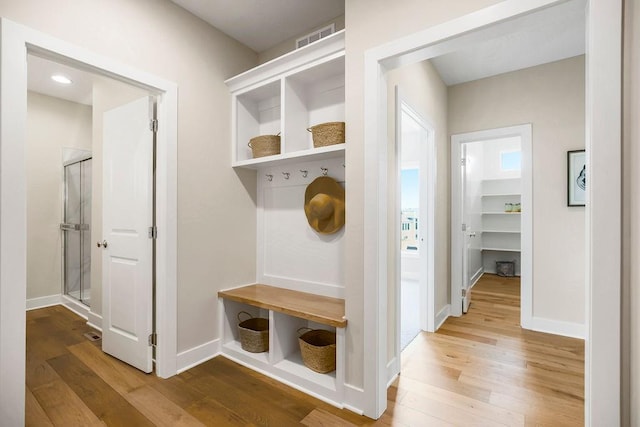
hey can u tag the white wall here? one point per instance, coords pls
(290, 44)
(371, 23)
(52, 124)
(159, 37)
(631, 212)
(552, 98)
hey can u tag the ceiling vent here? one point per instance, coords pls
(315, 36)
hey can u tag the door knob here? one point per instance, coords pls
(472, 234)
(102, 244)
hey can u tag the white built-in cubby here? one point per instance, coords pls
(288, 312)
(500, 229)
(286, 96)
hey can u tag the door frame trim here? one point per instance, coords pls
(603, 145)
(16, 41)
(526, 244)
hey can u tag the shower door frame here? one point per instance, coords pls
(65, 197)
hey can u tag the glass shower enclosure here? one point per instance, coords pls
(76, 230)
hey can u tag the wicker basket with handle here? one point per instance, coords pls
(318, 348)
(265, 145)
(254, 333)
(325, 134)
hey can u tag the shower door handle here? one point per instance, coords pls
(102, 244)
(70, 227)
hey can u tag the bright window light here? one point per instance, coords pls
(59, 78)
(511, 160)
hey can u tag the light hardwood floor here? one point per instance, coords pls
(480, 369)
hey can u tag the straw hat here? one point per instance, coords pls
(324, 205)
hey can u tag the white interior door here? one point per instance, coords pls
(468, 234)
(127, 260)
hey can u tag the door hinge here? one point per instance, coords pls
(153, 339)
(153, 232)
(464, 293)
(463, 162)
(464, 227)
(153, 125)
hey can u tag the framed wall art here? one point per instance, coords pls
(576, 178)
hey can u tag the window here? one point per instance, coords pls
(510, 160)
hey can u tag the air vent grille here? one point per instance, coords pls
(315, 36)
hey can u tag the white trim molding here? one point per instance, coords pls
(42, 302)
(94, 320)
(75, 306)
(199, 354)
(476, 276)
(354, 399)
(558, 327)
(443, 315)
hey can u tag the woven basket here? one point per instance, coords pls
(318, 348)
(330, 133)
(265, 145)
(254, 333)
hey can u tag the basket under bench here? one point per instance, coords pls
(287, 311)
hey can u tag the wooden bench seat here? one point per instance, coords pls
(321, 309)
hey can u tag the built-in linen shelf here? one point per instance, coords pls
(501, 195)
(501, 213)
(321, 153)
(317, 308)
(501, 249)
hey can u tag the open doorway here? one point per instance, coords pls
(77, 119)
(430, 44)
(491, 212)
(17, 42)
(415, 155)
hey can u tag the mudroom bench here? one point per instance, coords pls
(287, 311)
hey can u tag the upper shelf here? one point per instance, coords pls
(318, 308)
(286, 96)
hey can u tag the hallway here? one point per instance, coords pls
(482, 368)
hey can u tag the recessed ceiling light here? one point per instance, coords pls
(59, 78)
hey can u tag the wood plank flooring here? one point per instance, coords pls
(480, 369)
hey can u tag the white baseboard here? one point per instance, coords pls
(76, 306)
(197, 355)
(42, 302)
(393, 370)
(443, 315)
(354, 399)
(474, 279)
(94, 320)
(558, 327)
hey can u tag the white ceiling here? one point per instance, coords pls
(550, 35)
(39, 72)
(262, 24)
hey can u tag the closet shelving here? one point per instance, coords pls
(286, 96)
(500, 229)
